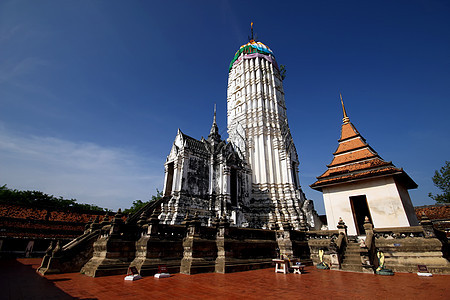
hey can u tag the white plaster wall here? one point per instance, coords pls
(383, 198)
(407, 204)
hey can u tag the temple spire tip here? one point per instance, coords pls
(346, 119)
(214, 133)
(251, 37)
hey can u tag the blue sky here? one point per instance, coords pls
(92, 92)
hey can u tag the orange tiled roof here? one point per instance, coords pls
(354, 160)
(348, 131)
(434, 212)
(346, 145)
(35, 222)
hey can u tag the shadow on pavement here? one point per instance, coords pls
(20, 281)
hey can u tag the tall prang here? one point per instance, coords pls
(258, 128)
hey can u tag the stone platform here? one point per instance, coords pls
(257, 284)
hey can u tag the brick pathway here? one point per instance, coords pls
(18, 280)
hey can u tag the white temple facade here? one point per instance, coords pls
(259, 130)
(253, 179)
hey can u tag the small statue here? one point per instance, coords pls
(381, 270)
(322, 265)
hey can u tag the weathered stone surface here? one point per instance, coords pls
(164, 247)
(242, 249)
(70, 257)
(112, 256)
(321, 240)
(113, 251)
(404, 254)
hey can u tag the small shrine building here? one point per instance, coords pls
(359, 183)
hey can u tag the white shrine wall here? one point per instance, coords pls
(389, 203)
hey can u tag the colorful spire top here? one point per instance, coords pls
(346, 119)
(258, 46)
(252, 47)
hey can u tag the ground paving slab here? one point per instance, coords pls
(19, 280)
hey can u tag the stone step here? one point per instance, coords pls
(352, 260)
(352, 254)
(353, 246)
(357, 268)
(352, 257)
(351, 267)
(355, 250)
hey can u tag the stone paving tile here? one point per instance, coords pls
(18, 280)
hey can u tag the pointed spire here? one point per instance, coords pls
(355, 160)
(251, 37)
(214, 132)
(346, 119)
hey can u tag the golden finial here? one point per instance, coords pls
(345, 119)
(251, 38)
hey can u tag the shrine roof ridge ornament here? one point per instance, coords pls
(346, 119)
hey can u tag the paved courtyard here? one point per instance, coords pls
(18, 280)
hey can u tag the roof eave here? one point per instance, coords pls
(318, 187)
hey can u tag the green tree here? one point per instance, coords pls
(441, 180)
(138, 204)
(37, 198)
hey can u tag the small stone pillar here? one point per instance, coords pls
(368, 228)
(88, 225)
(367, 247)
(153, 224)
(116, 224)
(95, 224)
(284, 241)
(338, 249)
(342, 228)
(193, 226)
(223, 226)
(427, 225)
(199, 253)
(105, 220)
(142, 220)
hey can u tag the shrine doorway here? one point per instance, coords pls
(360, 210)
(169, 180)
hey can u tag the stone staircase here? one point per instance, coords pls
(354, 256)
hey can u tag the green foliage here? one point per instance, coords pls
(283, 72)
(37, 198)
(441, 180)
(138, 204)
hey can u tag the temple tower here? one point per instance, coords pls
(258, 128)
